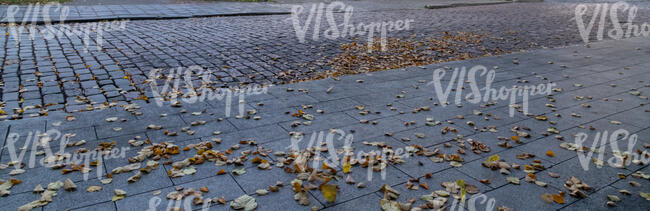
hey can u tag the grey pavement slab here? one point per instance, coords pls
(373, 180)
(278, 201)
(17, 200)
(527, 196)
(100, 206)
(599, 200)
(572, 167)
(367, 202)
(497, 179)
(434, 183)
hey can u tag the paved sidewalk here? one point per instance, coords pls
(86, 13)
(603, 88)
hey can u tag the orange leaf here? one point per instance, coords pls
(550, 153)
(514, 138)
(15, 181)
(221, 172)
(532, 176)
(558, 199)
(296, 187)
(256, 160)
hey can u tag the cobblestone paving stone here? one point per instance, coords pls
(598, 84)
(69, 73)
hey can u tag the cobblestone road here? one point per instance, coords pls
(67, 72)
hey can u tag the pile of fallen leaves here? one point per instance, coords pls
(358, 57)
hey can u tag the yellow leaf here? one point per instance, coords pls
(329, 192)
(463, 191)
(645, 195)
(2, 112)
(346, 167)
(494, 157)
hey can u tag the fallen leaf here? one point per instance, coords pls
(645, 195)
(613, 198)
(245, 202)
(550, 153)
(106, 181)
(350, 180)
(119, 194)
(261, 192)
(189, 170)
(221, 172)
(68, 185)
(513, 180)
(442, 193)
(239, 171)
(547, 197)
(463, 192)
(346, 167)
(16, 172)
(329, 89)
(552, 130)
(424, 185)
(38, 189)
(94, 188)
(329, 192)
(558, 199)
(625, 192)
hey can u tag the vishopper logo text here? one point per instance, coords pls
(39, 145)
(348, 28)
(626, 30)
(374, 160)
(183, 204)
(33, 12)
(619, 159)
(471, 203)
(171, 90)
(490, 94)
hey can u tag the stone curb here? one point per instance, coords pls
(440, 6)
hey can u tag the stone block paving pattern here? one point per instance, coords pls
(139, 11)
(69, 73)
(603, 88)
